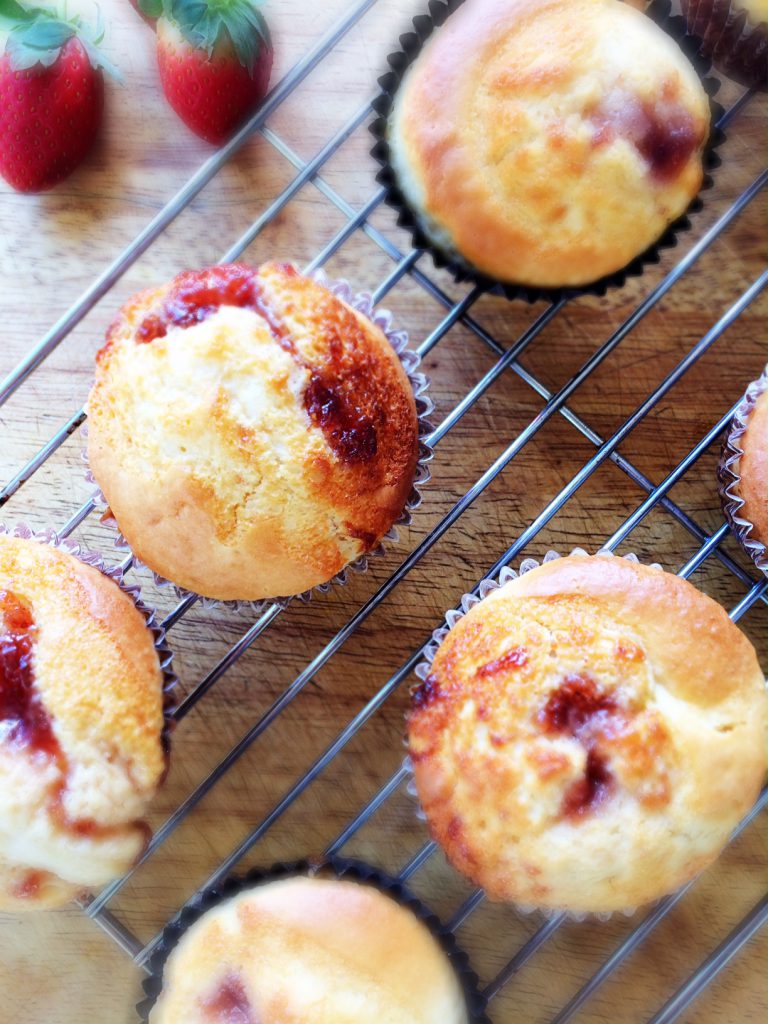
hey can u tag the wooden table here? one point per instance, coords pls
(60, 968)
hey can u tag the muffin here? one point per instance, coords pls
(251, 432)
(313, 949)
(589, 735)
(734, 33)
(548, 144)
(743, 472)
(81, 720)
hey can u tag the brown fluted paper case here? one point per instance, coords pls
(399, 61)
(735, 39)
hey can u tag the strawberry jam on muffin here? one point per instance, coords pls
(547, 143)
(314, 950)
(251, 432)
(589, 735)
(81, 722)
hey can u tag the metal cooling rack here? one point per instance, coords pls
(755, 590)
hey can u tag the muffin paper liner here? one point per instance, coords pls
(736, 44)
(410, 361)
(411, 44)
(338, 867)
(115, 573)
(422, 670)
(728, 474)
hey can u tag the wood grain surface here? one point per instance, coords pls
(60, 968)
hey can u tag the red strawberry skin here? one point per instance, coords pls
(49, 118)
(213, 95)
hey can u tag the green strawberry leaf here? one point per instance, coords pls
(11, 10)
(259, 23)
(23, 57)
(37, 39)
(152, 8)
(208, 23)
(13, 14)
(96, 32)
(186, 13)
(204, 28)
(247, 44)
(46, 35)
(37, 42)
(98, 60)
(91, 36)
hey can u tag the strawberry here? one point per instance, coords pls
(215, 57)
(51, 96)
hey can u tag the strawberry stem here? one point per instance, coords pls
(206, 24)
(152, 8)
(37, 34)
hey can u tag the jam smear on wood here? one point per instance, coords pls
(517, 657)
(229, 1004)
(329, 397)
(580, 709)
(23, 718)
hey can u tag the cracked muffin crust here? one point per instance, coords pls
(309, 951)
(589, 735)
(548, 143)
(81, 719)
(251, 432)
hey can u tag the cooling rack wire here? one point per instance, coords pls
(411, 263)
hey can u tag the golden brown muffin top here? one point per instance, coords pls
(309, 951)
(251, 432)
(81, 717)
(548, 142)
(589, 699)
